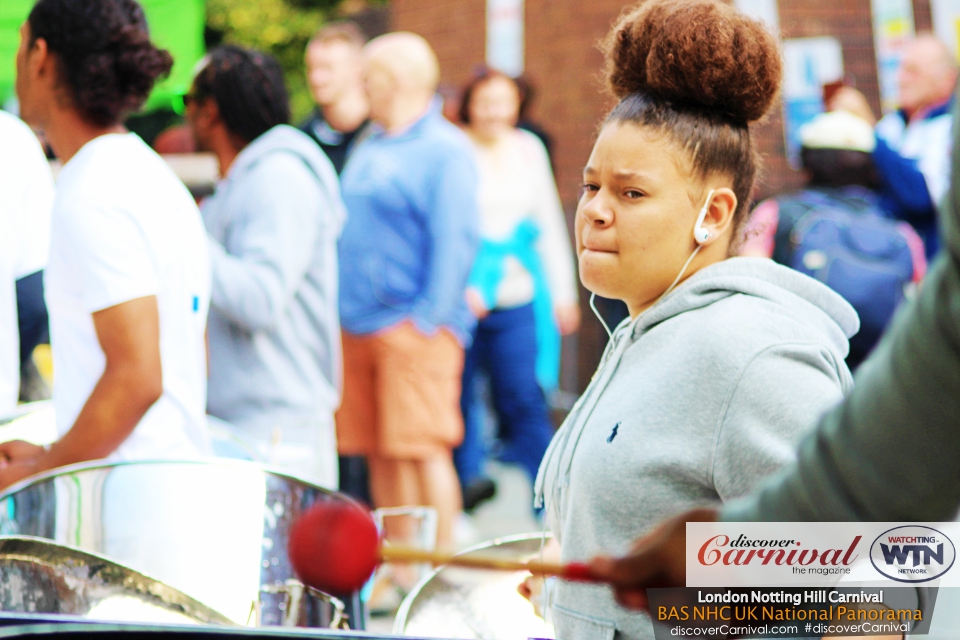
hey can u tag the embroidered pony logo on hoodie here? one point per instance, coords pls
(613, 433)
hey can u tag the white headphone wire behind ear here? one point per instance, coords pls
(683, 270)
(600, 317)
(700, 234)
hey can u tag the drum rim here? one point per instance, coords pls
(211, 461)
(201, 607)
(403, 612)
(24, 409)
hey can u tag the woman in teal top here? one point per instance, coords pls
(523, 284)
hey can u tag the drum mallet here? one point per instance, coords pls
(335, 547)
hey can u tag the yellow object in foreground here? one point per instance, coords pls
(43, 358)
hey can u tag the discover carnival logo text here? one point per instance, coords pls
(743, 551)
(752, 554)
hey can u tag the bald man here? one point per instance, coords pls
(405, 254)
(912, 155)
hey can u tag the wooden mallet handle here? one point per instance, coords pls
(574, 571)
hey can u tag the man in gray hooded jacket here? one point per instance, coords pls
(273, 223)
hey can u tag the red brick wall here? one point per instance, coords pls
(456, 29)
(922, 16)
(564, 62)
(561, 58)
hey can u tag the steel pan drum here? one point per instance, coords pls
(39, 576)
(454, 602)
(215, 530)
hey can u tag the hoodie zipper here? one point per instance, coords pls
(578, 424)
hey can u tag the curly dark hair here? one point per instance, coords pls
(106, 63)
(700, 71)
(248, 88)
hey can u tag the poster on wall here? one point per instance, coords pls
(763, 10)
(809, 63)
(505, 36)
(946, 23)
(892, 27)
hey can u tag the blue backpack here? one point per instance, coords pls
(843, 239)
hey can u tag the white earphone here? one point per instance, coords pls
(700, 234)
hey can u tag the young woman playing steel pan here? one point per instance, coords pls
(724, 362)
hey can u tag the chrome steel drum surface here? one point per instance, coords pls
(40, 576)
(215, 530)
(467, 603)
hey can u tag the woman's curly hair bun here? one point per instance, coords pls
(698, 52)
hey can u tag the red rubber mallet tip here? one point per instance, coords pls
(578, 572)
(334, 547)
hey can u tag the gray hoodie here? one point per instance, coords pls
(694, 402)
(274, 331)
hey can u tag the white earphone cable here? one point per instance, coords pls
(696, 228)
(683, 270)
(679, 275)
(600, 317)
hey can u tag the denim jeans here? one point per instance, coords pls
(505, 347)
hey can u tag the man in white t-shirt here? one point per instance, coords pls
(26, 195)
(128, 281)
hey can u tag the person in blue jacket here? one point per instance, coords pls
(912, 154)
(406, 251)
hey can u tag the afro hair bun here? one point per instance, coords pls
(698, 52)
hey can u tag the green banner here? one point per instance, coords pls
(175, 25)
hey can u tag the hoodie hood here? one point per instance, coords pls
(286, 139)
(799, 296)
(274, 332)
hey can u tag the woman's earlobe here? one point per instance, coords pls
(727, 200)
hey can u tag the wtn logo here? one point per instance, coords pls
(900, 554)
(912, 554)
